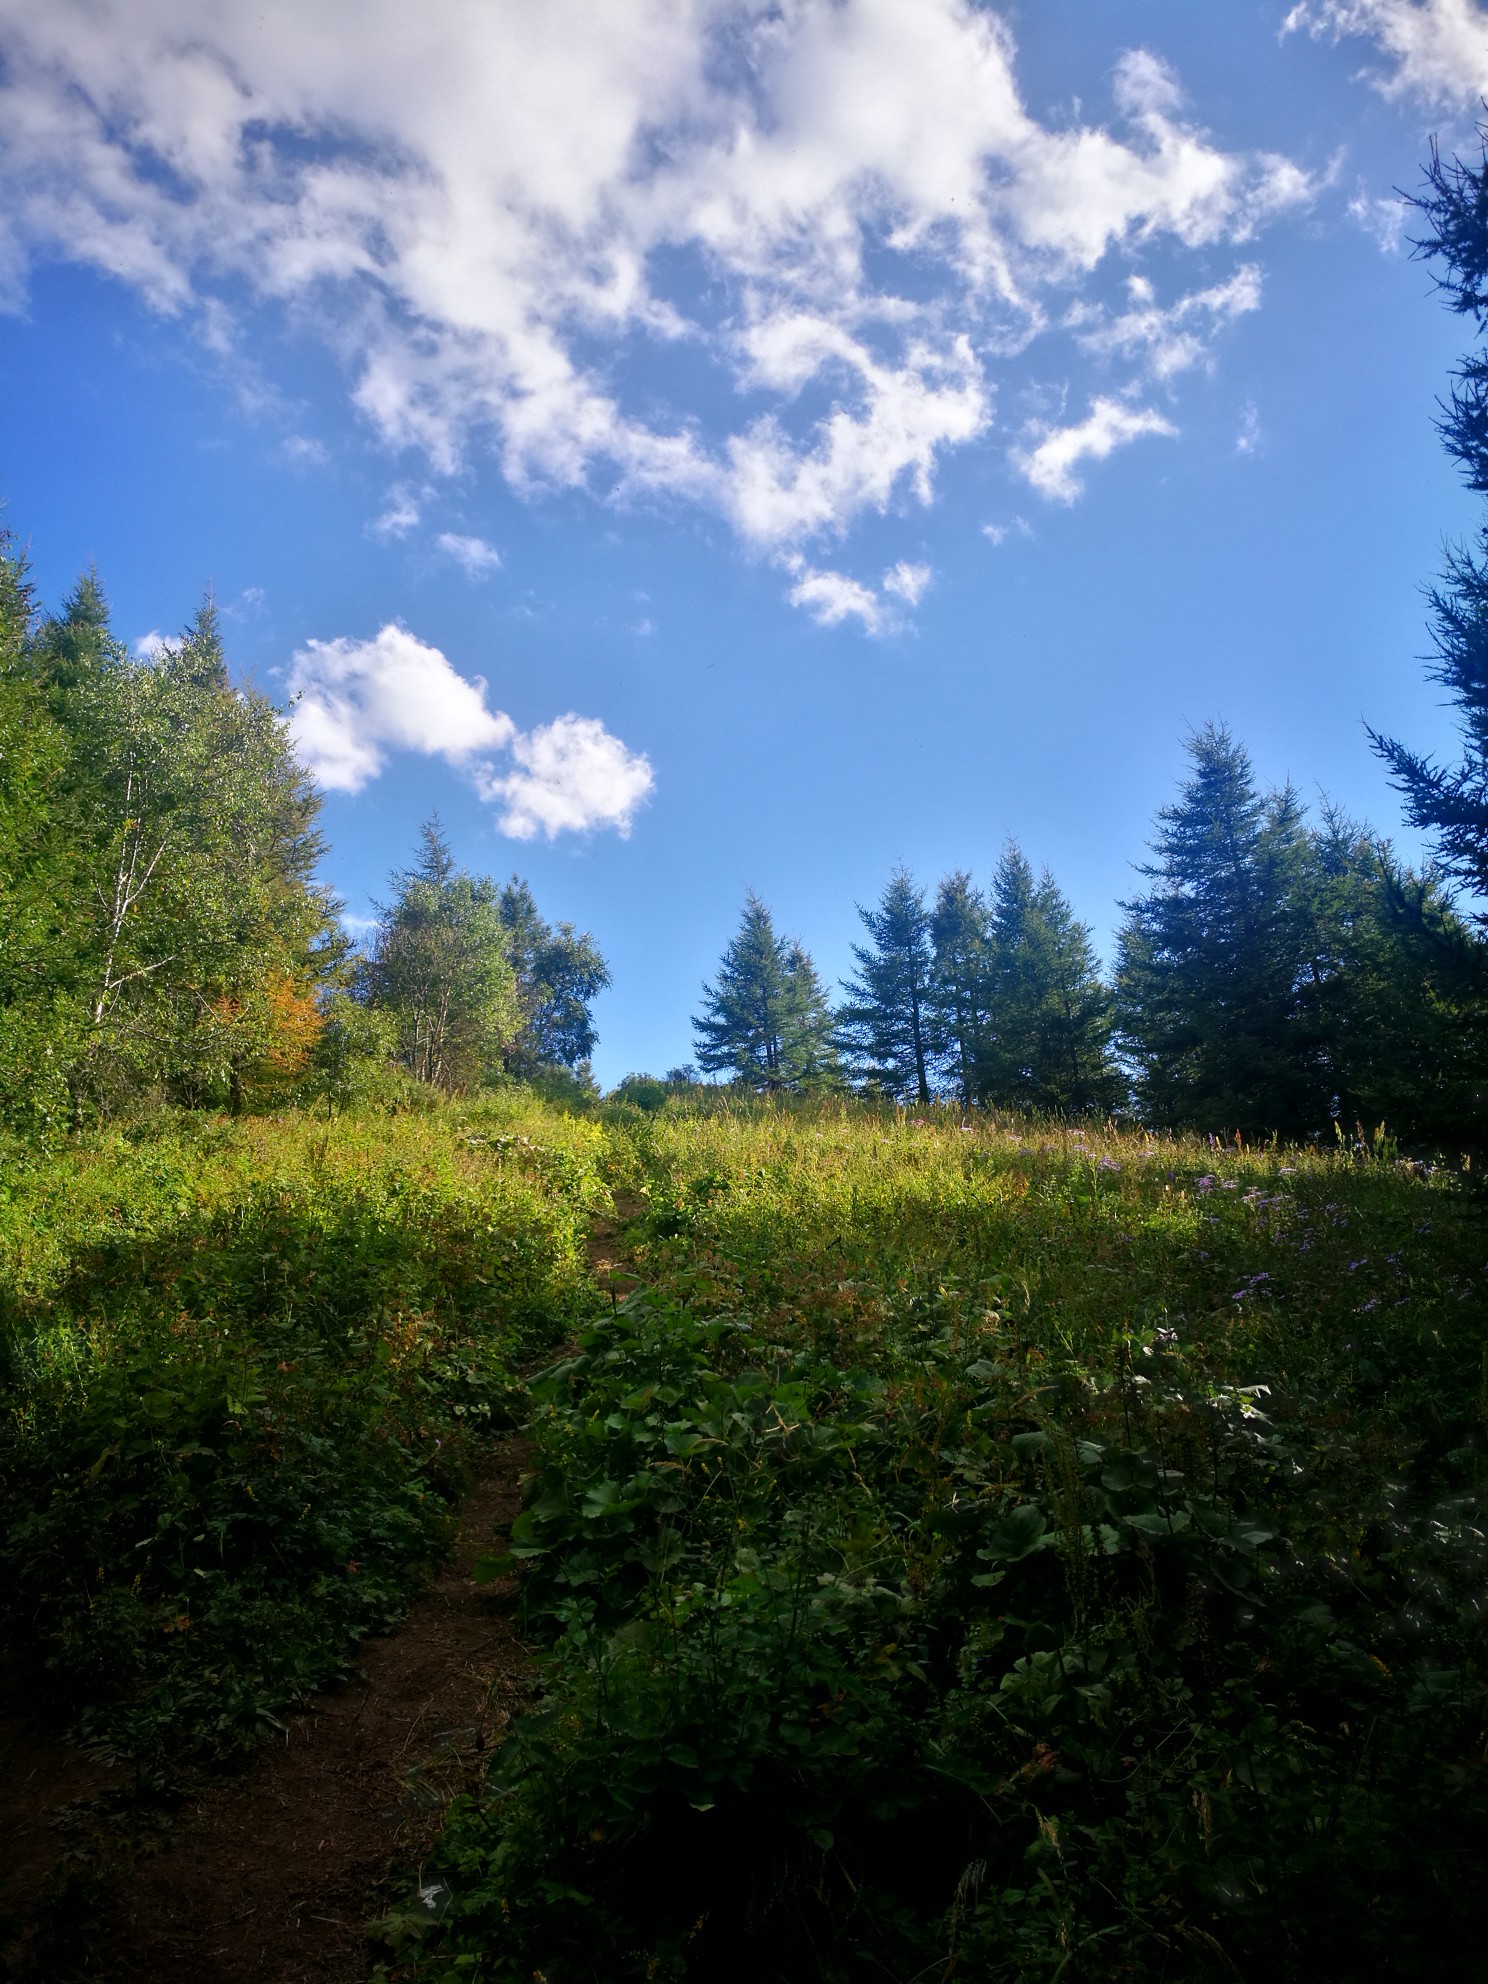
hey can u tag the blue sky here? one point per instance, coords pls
(699, 445)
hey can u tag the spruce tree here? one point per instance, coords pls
(886, 1023)
(1388, 1018)
(765, 1021)
(41, 878)
(1211, 960)
(1049, 1042)
(960, 1026)
(1450, 803)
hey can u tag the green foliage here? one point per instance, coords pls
(163, 931)
(243, 1367)
(1451, 803)
(1047, 1047)
(439, 969)
(765, 1021)
(885, 1023)
(559, 973)
(1210, 960)
(960, 1024)
(999, 1558)
(1282, 977)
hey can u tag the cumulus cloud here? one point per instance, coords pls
(571, 777)
(1167, 341)
(355, 702)
(1436, 50)
(151, 646)
(474, 556)
(497, 214)
(833, 597)
(1051, 464)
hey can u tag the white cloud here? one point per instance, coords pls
(1248, 440)
(401, 514)
(1167, 341)
(355, 702)
(477, 558)
(1000, 533)
(494, 213)
(907, 582)
(1437, 49)
(1384, 219)
(151, 646)
(571, 777)
(1051, 464)
(305, 451)
(832, 597)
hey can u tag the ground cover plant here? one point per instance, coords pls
(246, 1365)
(998, 1551)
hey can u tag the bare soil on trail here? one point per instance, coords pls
(272, 1877)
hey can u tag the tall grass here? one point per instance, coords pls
(244, 1365)
(1000, 1551)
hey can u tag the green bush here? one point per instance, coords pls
(244, 1366)
(1001, 1556)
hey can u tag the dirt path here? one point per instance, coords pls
(273, 1876)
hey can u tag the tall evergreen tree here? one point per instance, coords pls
(1211, 959)
(1450, 802)
(439, 966)
(886, 1022)
(560, 972)
(765, 1021)
(40, 876)
(1049, 1044)
(960, 1025)
(1379, 990)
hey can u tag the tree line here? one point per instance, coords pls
(1275, 974)
(164, 935)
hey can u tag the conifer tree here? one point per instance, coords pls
(40, 879)
(765, 1021)
(1450, 803)
(1393, 1042)
(960, 1026)
(886, 1023)
(1211, 960)
(1048, 1045)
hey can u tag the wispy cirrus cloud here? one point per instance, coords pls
(501, 216)
(1435, 50)
(355, 703)
(1166, 341)
(1053, 458)
(473, 555)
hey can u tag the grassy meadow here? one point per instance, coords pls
(988, 1550)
